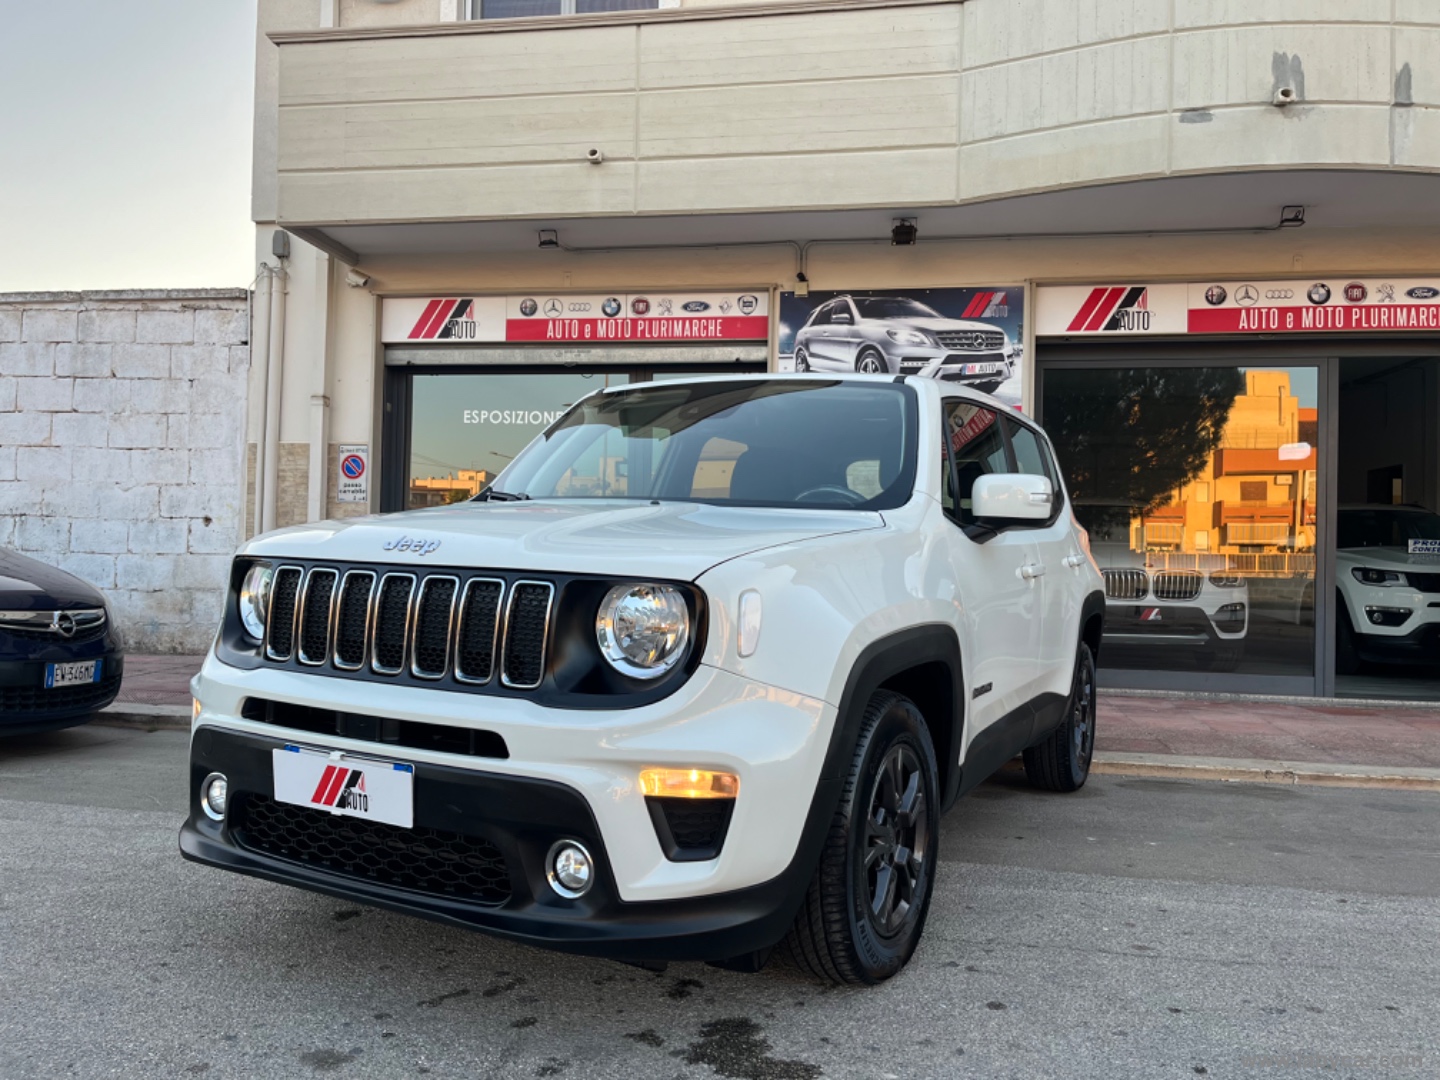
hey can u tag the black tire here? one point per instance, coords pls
(1062, 761)
(870, 362)
(1347, 656)
(802, 362)
(841, 933)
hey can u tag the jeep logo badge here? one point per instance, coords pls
(417, 544)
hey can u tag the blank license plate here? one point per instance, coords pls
(342, 784)
(77, 673)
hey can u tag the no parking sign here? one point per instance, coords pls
(353, 484)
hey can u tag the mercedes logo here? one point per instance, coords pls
(1247, 296)
(553, 308)
(64, 624)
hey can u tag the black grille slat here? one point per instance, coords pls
(412, 734)
(392, 623)
(425, 860)
(352, 618)
(434, 614)
(280, 625)
(1177, 584)
(526, 626)
(479, 620)
(315, 616)
(972, 340)
(38, 700)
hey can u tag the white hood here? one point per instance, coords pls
(1397, 558)
(674, 540)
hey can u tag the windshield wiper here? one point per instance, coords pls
(491, 495)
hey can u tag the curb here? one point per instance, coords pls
(1258, 771)
(149, 717)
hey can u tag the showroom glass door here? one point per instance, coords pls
(1200, 483)
(449, 433)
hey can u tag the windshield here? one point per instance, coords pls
(892, 307)
(1385, 527)
(749, 443)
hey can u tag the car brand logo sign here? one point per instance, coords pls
(1247, 296)
(695, 306)
(1279, 294)
(1422, 292)
(417, 545)
(64, 624)
(725, 307)
(612, 306)
(640, 306)
(554, 308)
(1117, 308)
(528, 307)
(445, 319)
(1356, 293)
(1215, 295)
(1319, 293)
(343, 788)
(747, 305)
(1385, 294)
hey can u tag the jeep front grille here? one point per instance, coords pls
(1125, 584)
(1178, 584)
(427, 626)
(972, 340)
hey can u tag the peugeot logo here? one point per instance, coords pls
(64, 624)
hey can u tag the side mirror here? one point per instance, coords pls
(1011, 497)
(841, 318)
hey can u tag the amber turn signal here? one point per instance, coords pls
(689, 784)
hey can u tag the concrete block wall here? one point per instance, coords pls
(121, 448)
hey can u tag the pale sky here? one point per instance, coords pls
(125, 143)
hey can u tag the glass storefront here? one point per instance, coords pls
(1199, 486)
(459, 428)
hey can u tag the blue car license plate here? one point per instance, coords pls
(76, 673)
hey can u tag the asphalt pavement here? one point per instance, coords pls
(1141, 928)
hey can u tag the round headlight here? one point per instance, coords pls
(254, 602)
(643, 629)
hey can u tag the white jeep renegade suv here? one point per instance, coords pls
(714, 705)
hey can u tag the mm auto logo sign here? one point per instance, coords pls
(342, 788)
(450, 319)
(1113, 308)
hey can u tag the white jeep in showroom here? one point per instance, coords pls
(713, 706)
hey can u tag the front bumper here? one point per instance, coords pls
(26, 706)
(521, 818)
(1147, 623)
(568, 774)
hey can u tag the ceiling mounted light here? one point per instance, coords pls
(549, 238)
(1292, 217)
(904, 232)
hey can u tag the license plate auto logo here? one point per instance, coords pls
(346, 785)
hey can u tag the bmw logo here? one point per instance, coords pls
(611, 307)
(695, 305)
(1319, 293)
(1215, 295)
(528, 307)
(1422, 292)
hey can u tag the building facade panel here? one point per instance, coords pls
(1001, 30)
(1089, 153)
(1190, 14)
(1263, 136)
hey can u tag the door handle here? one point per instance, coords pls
(1031, 571)
(1074, 561)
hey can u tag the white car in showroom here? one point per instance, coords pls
(715, 707)
(1387, 569)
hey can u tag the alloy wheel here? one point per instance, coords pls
(897, 839)
(1083, 716)
(870, 364)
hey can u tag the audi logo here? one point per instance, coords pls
(579, 307)
(1279, 294)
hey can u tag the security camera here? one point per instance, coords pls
(356, 280)
(595, 157)
(1285, 96)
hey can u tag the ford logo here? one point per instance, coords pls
(418, 545)
(1422, 292)
(696, 305)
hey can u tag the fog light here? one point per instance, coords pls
(689, 784)
(1388, 616)
(213, 792)
(570, 869)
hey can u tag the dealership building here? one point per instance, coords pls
(1198, 239)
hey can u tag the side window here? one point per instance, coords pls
(1032, 457)
(822, 315)
(976, 449)
(715, 468)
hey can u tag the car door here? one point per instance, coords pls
(820, 339)
(1061, 563)
(1000, 599)
(844, 332)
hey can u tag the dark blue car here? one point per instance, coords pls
(60, 655)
